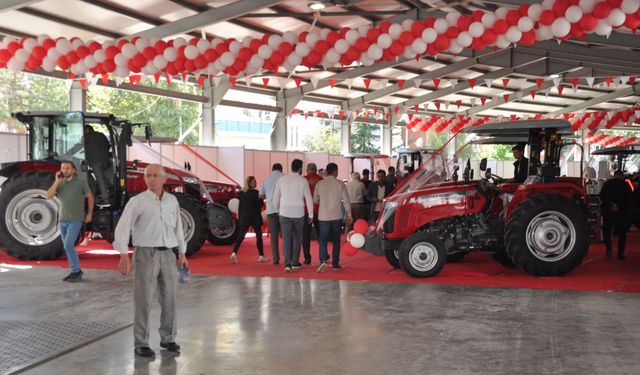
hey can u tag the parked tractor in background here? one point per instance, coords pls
(540, 226)
(410, 159)
(29, 229)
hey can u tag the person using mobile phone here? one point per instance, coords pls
(71, 192)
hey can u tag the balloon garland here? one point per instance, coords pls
(366, 45)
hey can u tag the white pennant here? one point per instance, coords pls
(446, 104)
(473, 101)
(488, 82)
(247, 80)
(557, 80)
(68, 83)
(349, 83)
(88, 75)
(546, 92)
(118, 81)
(500, 117)
(426, 106)
(216, 80)
(624, 80)
(314, 81)
(282, 82)
(453, 82)
(590, 81)
(417, 82)
(383, 83)
(94, 80)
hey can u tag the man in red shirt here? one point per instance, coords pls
(312, 177)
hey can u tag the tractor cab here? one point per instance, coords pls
(410, 159)
(624, 158)
(371, 162)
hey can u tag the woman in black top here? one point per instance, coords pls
(249, 216)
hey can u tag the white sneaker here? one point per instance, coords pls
(234, 258)
(321, 267)
(263, 258)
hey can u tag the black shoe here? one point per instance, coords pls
(74, 277)
(307, 262)
(609, 254)
(621, 257)
(276, 262)
(296, 266)
(337, 268)
(144, 351)
(170, 346)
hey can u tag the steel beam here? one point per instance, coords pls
(209, 17)
(632, 90)
(7, 5)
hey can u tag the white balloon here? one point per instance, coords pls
(464, 39)
(488, 19)
(90, 62)
(366, 60)
(122, 71)
(170, 54)
(513, 34)
(543, 33)
(53, 54)
(587, 5)
(80, 67)
(560, 27)
(234, 205)
(476, 29)
(141, 44)
(265, 52)
(341, 47)
(603, 28)
(190, 52)
(573, 14)
(15, 65)
(256, 62)
(21, 55)
(333, 57)
(160, 62)
(534, 12)
(179, 42)
(302, 49)
(274, 41)
(429, 35)
(525, 24)
(357, 240)
(294, 60)
(547, 4)
(406, 24)
(408, 53)
(128, 50)
(99, 55)
(290, 37)
(616, 18)
(324, 33)
(218, 65)
(28, 44)
(246, 41)
(203, 45)
(501, 13)
(630, 6)
(108, 43)
(214, 42)
(42, 37)
(394, 30)
(227, 58)
(234, 47)
(312, 38)
(375, 52)
(452, 18)
(77, 42)
(121, 60)
(441, 26)
(455, 48)
(48, 65)
(63, 46)
(384, 41)
(418, 47)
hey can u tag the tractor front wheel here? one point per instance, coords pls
(422, 255)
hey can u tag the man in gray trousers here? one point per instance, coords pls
(153, 218)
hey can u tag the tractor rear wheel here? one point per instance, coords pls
(29, 229)
(194, 222)
(393, 257)
(422, 255)
(547, 235)
(224, 235)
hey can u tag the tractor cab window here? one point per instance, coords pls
(39, 136)
(67, 137)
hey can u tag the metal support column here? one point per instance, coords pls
(77, 97)
(345, 136)
(208, 128)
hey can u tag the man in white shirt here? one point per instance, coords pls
(266, 192)
(289, 199)
(332, 195)
(357, 196)
(153, 219)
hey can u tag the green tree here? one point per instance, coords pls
(325, 140)
(365, 138)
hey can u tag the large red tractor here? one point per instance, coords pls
(29, 226)
(540, 226)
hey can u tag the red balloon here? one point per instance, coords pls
(477, 15)
(314, 58)
(464, 22)
(94, 46)
(286, 48)
(524, 9)
(322, 46)
(72, 57)
(547, 17)
(431, 49)
(362, 44)
(478, 44)
(200, 62)
(576, 30)
(528, 38)
(384, 26)
(160, 46)
(139, 60)
(632, 22)
(513, 16)
(149, 53)
(349, 250)
(194, 41)
(238, 65)
(489, 36)
(189, 66)
(352, 54)
(83, 51)
(343, 32)
(48, 43)
(254, 45)
(452, 32)
(417, 28)
(171, 69)
(302, 37)
(111, 52)
(109, 65)
(373, 34)
(211, 55)
(122, 42)
(133, 67)
(13, 47)
(429, 22)
(602, 10)
(501, 26)
(277, 59)
(179, 64)
(220, 49)
(387, 55)
(38, 52)
(442, 42)
(332, 38)
(344, 60)
(361, 226)
(406, 38)
(5, 55)
(244, 54)
(588, 22)
(560, 7)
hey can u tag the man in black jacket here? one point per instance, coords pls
(377, 191)
(521, 165)
(615, 204)
(98, 157)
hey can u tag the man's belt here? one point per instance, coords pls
(163, 248)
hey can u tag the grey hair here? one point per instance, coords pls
(162, 171)
(355, 176)
(311, 167)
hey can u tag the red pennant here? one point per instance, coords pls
(83, 83)
(460, 117)
(416, 107)
(367, 82)
(533, 94)
(332, 82)
(105, 79)
(608, 80)
(71, 75)
(295, 111)
(483, 99)
(157, 77)
(539, 82)
(538, 116)
(566, 115)
(298, 80)
(201, 80)
(341, 114)
(459, 103)
(437, 103)
(396, 109)
(505, 97)
(472, 82)
(306, 114)
(375, 111)
(514, 117)
(436, 82)
(168, 77)
(401, 83)
(505, 82)
(132, 80)
(366, 114)
(560, 90)
(184, 77)
(265, 81)
(387, 115)
(232, 81)
(632, 80)
(574, 82)
(410, 116)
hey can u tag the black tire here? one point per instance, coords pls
(225, 236)
(456, 257)
(535, 228)
(392, 257)
(194, 222)
(422, 255)
(502, 257)
(35, 236)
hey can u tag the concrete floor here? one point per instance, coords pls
(286, 326)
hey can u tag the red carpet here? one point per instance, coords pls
(595, 274)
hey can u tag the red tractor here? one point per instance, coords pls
(540, 226)
(29, 229)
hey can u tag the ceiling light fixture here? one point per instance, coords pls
(316, 5)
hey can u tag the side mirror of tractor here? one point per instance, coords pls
(454, 176)
(483, 164)
(487, 173)
(147, 133)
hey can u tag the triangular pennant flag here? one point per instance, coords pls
(505, 82)
(623, 80)
(453, 82)
(472, 82)
(349, 83)
(282, 82)
(200, 80)
(436, 83)
(298, 80)
(132, 80)
(387, 115)
(184, 77)
(156, 77)
(71, 75)
(533, 94)
(341, 114)
(416, 107)
(401, 83)
(105, 79)
(383, 83)
(306, 114)
(118, 81)
(232, 81)
(417, 82)
(483, 99)
(632, 80)
(93, 81)
(557, 80)
(265, 81)
(314, 81)
(375, 111)
(574, 82)
(608, 80)
(216, 80)
(367, 82)
(83, 83)
(437, 103)
(410, 116)
(332, 82)
(547, 91)
(396, 109)
(505, 97)
(459, 103)
(473, 101)
(560, 90)
(539, 82)
(488, 82)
